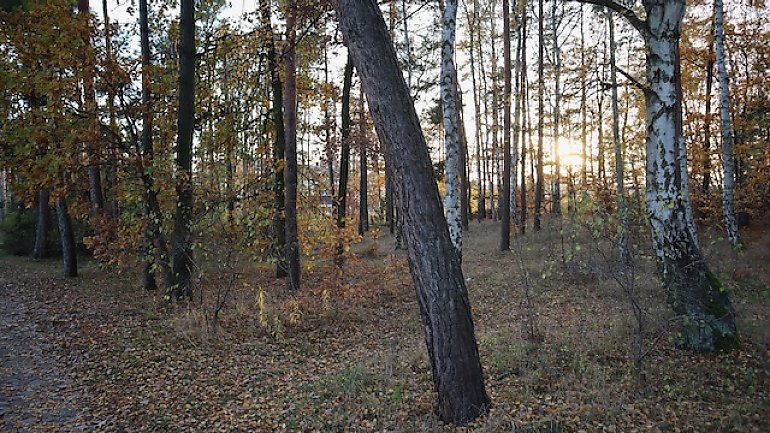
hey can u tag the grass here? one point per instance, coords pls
(355, 360)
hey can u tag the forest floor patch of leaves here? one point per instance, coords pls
(555, 335)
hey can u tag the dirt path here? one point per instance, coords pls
(32, 380)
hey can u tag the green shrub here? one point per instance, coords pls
(18, 232)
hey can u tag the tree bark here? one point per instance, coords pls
(451, 127)
(523, 90)
(341, 203)
(69, 250)
(363, 186)
(435, 266)
(728, 163)
(279, 219)
(540, 117)
(182, 254)
(290, 151)
(556, 206)
(505, 194)
(43, 224)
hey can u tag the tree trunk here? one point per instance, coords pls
(694, 292)
(728, 163)
(583, 104)
(363, 186)
(435, 267)
(279, 219)
(342, 198)
(451, 127)
(3, 195)
(472, 24)
(540, 116)
(182, 258)
(43, 224)
(707, 123)
(69, 251)
(523, 90)
(625, 251)
(505, 194)
(290, 151)
(556, 206)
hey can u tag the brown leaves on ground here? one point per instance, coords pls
(355, 360)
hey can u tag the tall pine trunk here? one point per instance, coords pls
(290, 151)
(435, 267)
(182, 252)
(540, 116)
(505, 194)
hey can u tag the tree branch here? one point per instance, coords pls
(638, 23)
(645, 88)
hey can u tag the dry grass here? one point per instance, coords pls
(355, 359)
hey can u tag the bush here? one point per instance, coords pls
(18, 231)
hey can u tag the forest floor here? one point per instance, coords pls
(553, 321)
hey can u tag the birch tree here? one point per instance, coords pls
(694, 292)
(728, 163)
(451, 127)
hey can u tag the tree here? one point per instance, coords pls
(68, 248)
(451, 127)
(505, 194)
(182, 255)
(625, 252)
(342, 192)
(434, 265)
(540, 115)
(40, 250)
(728, 163)
(290, 150)
(279, 219)
(708, 318)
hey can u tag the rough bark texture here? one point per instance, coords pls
(43, 224)
(290, 151)
(505, 194)
(694, 293)
(451, 127)
(182, 254)
(279, 219)
(68, 249)
(435, 267)
(728, 163)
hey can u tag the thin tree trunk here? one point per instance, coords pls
(279, 218)
(707, 123)
(540, 116)
(290, 151)
(69, 250)
(341, 202)
(505, 194)
(523, 90)
(583, 103)
(363, 187)
(43, 224)
(494, 178)
(728, 163)
(182, 260)
(556, 206)
(451, 127)
(436, 269)
(464, 187)
(625, 251)
(472, 27)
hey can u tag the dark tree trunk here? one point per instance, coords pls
(68, 249)
(363, 186)
(156, 250)
(290, 151)
(341, 202)
(182, 260)
(279, 219)
(524, 121)
(540, 117)
(435, 267)
(43, 224)
(707, 123)
(505, 194)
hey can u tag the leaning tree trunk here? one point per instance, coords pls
(43, 224)
(435, 266)
(694, 292)
(728, 162)
(182, 258)
(290, 150)
(68, 249)
(451, 127)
